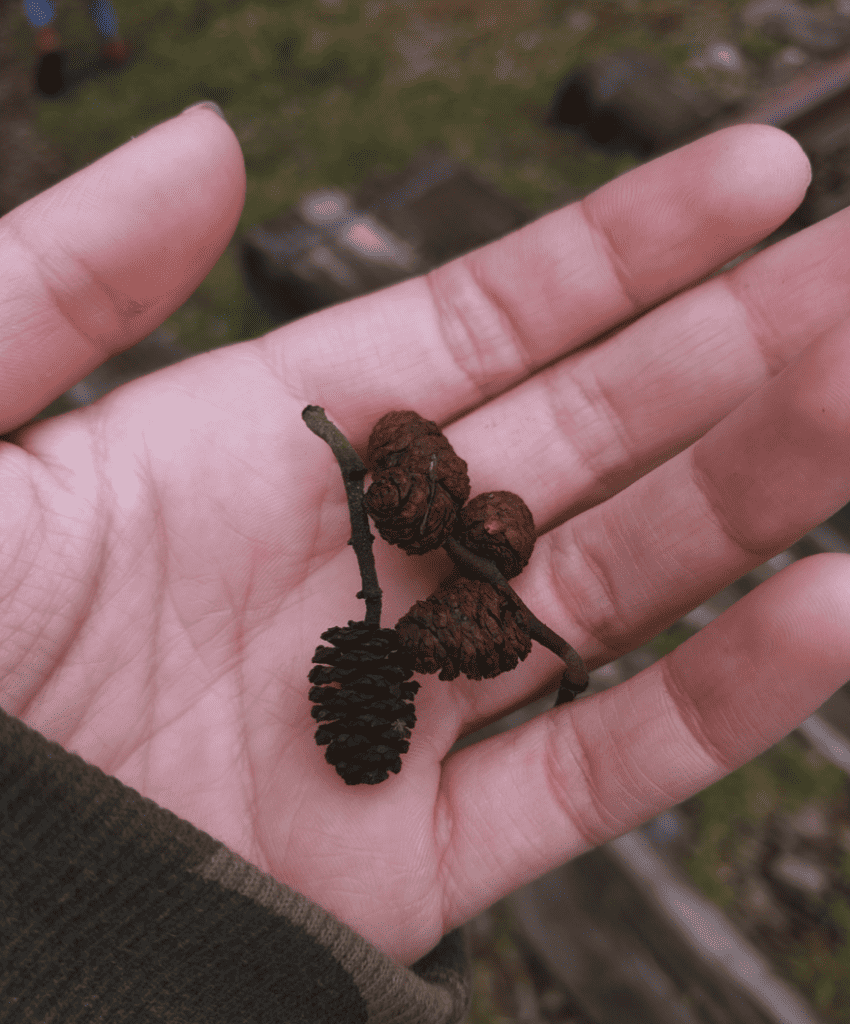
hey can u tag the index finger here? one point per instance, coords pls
(444, 343)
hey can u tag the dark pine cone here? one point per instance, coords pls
(498, 525)
(465, 626)
(418, 482)
(366, 720)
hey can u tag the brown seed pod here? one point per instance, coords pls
(418, 482)
(465, 626)
(498, 525)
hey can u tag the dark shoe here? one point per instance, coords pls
(49, 78)
(115, 53)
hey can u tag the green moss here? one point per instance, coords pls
(758, 47)
(821, 968)
(803, 775)
(782, 780)
(493, 970)
(707, 865)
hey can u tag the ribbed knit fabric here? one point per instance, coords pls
(114, 910)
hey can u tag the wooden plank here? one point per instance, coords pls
(633, 941)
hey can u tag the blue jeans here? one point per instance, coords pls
(42, 12)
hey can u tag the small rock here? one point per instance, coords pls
(786, 63)
(720, 55)
(758, 902)
(552, 1001)
(504, 66)
(418, 46)
(726, 70)
(530, 40)
(801, 874)
(580, 21)
(724, 873)
(750, 851)
(810, 821)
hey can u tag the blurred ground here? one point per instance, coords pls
(29, 163)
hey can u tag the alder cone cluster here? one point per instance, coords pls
(473, 623)
(417, 501)
(418, 482)
(498, 525)
(465, 626)
(363, 701)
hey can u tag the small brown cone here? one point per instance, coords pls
(498, 525)
(465, 626)
(418, 482)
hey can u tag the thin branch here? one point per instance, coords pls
(353, 473)
(575, 678)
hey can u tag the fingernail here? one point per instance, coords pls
(214, 107)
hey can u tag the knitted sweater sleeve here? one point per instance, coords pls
(114, 909)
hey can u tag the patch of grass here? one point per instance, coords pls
(783, 779)
(759, 48)
(822, 968)
(322, 94)
(496, 969)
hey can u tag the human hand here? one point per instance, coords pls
(171, 554)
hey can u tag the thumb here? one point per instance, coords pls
(99, 260)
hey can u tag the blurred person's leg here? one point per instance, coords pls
(114, 48)
(39, 12)
(48, 69)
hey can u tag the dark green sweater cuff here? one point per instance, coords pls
(114, 909)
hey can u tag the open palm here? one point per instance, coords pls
(171, 554)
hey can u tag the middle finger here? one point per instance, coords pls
(581, 430)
